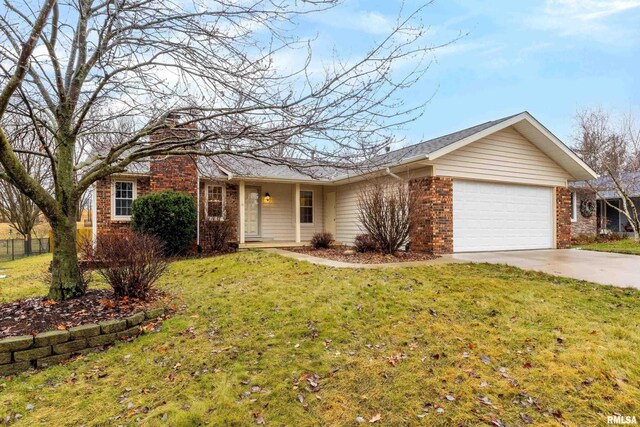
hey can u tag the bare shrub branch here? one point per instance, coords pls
(386, 213)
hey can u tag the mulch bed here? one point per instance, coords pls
(338, 254)
(33, 315)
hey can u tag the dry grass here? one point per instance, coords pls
(41, 230)
(393, 342)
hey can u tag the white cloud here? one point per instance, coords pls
(369, 22)
(596, 19)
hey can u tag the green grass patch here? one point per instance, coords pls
(252, 327)
(626, 246)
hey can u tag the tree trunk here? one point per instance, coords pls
(66, 279)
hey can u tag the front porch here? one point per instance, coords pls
(272, 214)
(610, 220)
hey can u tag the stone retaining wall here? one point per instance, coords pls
(18, 354)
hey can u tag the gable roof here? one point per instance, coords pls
(228, 166)
(432, 145)
(524, 123)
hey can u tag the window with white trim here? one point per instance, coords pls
(215, 201)
(306, 207)
(574, 207)
(124, 193)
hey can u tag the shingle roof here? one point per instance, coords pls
(214, 167)
(217, 167)
(606, 188)
(427, 147)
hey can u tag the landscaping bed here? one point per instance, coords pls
(345, 254)
(33, 315)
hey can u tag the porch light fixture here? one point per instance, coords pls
(267, 197)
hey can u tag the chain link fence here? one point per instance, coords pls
(11, 249)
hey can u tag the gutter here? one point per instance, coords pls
(229, 174)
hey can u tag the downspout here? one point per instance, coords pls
(388, 171)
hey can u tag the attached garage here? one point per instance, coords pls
(500, 217)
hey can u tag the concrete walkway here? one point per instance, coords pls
(340, 264)
(599, 267)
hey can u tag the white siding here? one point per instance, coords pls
(347, 223)
(277, 218)
(505, 156)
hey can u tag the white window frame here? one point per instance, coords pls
(113, 198)
(574, 206)
(313, 207)
(206, 198)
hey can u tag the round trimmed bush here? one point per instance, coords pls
(168, 215)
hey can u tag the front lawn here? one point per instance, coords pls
(263, 339)
(626, 246)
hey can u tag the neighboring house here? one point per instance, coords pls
(501, 185)
(601, 194)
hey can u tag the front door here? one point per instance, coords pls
(252, 212)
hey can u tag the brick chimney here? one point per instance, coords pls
(175, 173)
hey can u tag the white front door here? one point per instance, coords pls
(330, 212)
(252, 211)
(500, 217)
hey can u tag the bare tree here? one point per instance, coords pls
(77, 67)
(613, 151)
(386, 213)
(19, 210)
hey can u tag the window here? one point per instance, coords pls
(123, 196)
(306, 207)
(215, 201)
(574, 207)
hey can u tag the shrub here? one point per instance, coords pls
(365, 243)
(322, 240)
(169, 215)
(218, 233)
(386, 213)
(130, 262)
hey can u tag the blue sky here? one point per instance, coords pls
(550, 57)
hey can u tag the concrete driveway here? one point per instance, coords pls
(599, 267)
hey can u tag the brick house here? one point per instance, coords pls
(601, 215)
(500, 185)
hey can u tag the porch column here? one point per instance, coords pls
(296, 195)
(241, 209)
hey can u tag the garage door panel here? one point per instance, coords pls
(488, 216)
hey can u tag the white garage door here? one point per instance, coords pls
(499, 217)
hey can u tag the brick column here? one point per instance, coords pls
(585, 226)
(563, 218)
(433, 230)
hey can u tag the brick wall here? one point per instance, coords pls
(174, 173)
(166, 173)
(433, 207)
(231, 208)
(104, 222)
(563, 218)
(584, 226)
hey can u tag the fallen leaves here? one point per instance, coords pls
(377, 417)
(394, 359)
